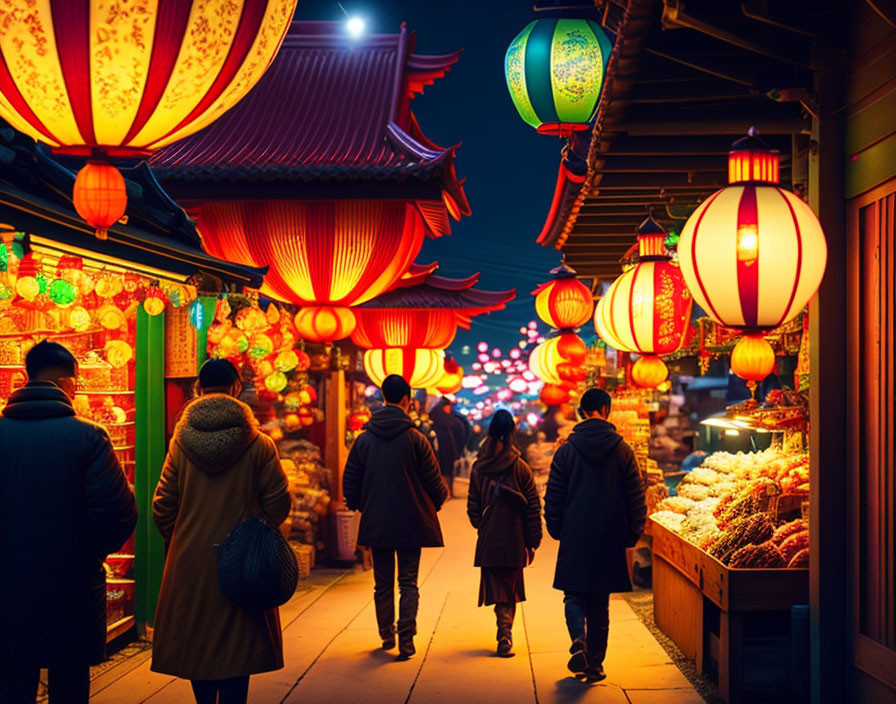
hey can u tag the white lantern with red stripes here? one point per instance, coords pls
(752, 254)
(648, 308)
(421, 368)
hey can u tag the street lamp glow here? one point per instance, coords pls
(355, 26)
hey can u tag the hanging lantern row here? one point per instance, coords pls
(106, 85)
(752, 255)
(647, 309)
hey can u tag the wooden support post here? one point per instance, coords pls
(335, 452)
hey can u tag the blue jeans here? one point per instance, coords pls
(588, 620)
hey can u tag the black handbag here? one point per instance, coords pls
(257, 568)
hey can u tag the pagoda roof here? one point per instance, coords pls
(328, 108)
(35, 197)
(441, 292)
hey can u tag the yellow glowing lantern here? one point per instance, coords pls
(543, 361)
(649, 372)
(420, 368)
(106, 81)
(286, 361)
(753, 254)
(118, 353)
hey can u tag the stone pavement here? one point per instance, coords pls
(331, 653)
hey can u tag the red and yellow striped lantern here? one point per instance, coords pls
(753, 254)
(564, 302)
(648, 308)
(544, 359)
(420, 368)
(419, 328)
(98, 83)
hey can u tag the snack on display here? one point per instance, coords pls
(740, 506)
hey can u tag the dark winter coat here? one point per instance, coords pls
(447, 431)
(594, 505)
(503, 506)
(392, 477)
(64, 505)
(218, 465)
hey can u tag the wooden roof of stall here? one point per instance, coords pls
(685, 80)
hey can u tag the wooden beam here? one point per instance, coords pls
(669, 182)
(705, 145)
(611, 163)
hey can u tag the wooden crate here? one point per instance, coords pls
(691, 587)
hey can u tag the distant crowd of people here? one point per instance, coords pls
(59, 469)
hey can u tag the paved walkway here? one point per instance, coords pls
(331, 653)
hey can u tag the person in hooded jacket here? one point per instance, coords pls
(504, 508)
(392, 477)
(64, 504)
(594, 505)
(219, 470)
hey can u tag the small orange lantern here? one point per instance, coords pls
(752, 359)
(552, 395)
(649, 372)
(572, 348)
(564, 302)
(325, 323)
(154, 303)
(100, 196)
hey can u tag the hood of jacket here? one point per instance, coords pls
(215, 430)
(594, 439)
(38, 400)
(493, 462)
(389, 422)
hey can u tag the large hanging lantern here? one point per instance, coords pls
(432, 328)
(648, 308)
(555, 71)
(544, 360)
(752, 254)
(564, 302)
(420, 368)
(324, 323)
(332, 254)
(106, 82)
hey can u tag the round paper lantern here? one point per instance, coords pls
(260, 346)
(63, 293)
(570, 373)
(648, 308)
(543, 361)
(110, 317)
(420, 368)
(99, 196)
(429, 328)
(555, 71)
(325, 323)
(572, 348)
(564, 302)
(276, 382)
(27, 285)
(752, 359)
(552, 395)
(286, 361)
(649, 372)
(118, 353)
(79, 318)
(752, 254)
(603, 323)
(109, 286)
(321, 254)
(154, 303)
(102, 82)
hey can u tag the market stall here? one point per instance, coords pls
(131, 309)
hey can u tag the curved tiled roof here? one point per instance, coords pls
(328, 108)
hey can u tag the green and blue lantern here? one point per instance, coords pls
(555, 71)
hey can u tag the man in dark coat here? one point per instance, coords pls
(392, 477)
(447, 431)
(64, 506)
(594, 505)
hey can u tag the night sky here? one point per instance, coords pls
(510, 169)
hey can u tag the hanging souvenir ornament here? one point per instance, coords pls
(109, 285)
(154, 303)
(27, 286)
(276, 382)
(273, 314)
(197, 314)
(251, 319)
(260, 346)
(79, 318)
(118, 353)
(63, 293)
(111, 317)
(222, 309)
(286, 361)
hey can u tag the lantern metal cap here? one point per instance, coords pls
(752, 142)
(564, 271)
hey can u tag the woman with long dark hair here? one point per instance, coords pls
(503, 506)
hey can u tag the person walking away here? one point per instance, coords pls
(504, 507)
(392, 477)
(445, 426)
(219, 470)
(594, 505)
(539, 455)
(65, 502)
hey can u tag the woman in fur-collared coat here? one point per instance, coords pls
(218, 464)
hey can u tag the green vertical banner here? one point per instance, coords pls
(150, 454)
(208, 306)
